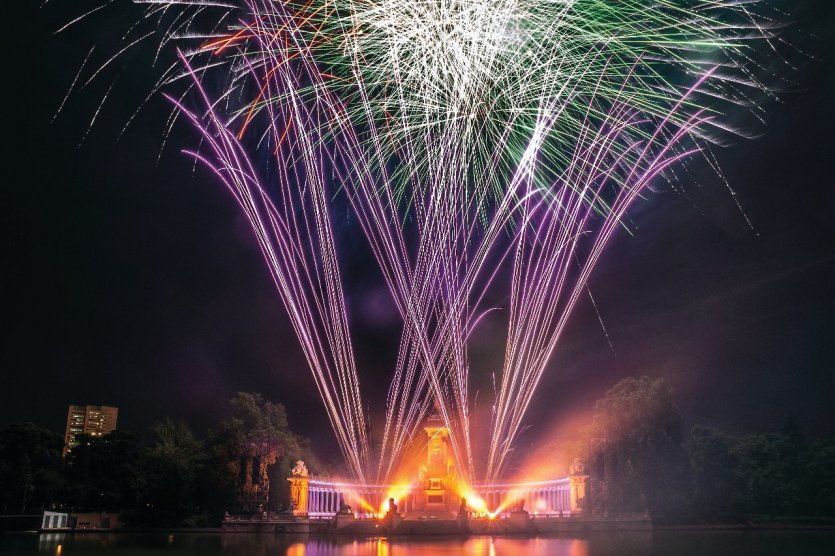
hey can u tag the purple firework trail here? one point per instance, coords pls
(471, 138)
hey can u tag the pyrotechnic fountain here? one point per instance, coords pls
(471, 137)
(436, 492)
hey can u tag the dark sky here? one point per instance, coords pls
(135, 283)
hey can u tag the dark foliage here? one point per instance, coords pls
(103, 473)
(761, 474)
(178, 480)
(31, 468)
(638, 457)
(640, 461)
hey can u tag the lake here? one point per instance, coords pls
(677, 543)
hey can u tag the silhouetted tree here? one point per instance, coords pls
(714, 472)
(219, 488)
(172, 467)
(815, 481)
(103, 472)
(761, 474)
(31, 474)
(637, 427)
(768, 469)
(259, 427)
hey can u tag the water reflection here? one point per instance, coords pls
(51, 542)
(273, 545)
(680, 543)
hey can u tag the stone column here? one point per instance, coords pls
(299, 489)
(298, 495)
(578, 493)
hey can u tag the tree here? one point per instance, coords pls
(636, 426)
(260, 446)
(815, 481)
(761, 474)
(219, 486)
(172, 465)
(258, 420)
(768, 469)
(31, 477)
(103, 472)
(714, 472)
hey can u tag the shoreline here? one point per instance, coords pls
(497, 532)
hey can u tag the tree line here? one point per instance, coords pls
(640, 459)
(177, 480)
(637, 455)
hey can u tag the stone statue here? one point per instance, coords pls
(577, 468)
(300, 470)
(345, 508)
(463, 517)
(422, 471)
(392, 519)
(462, 509)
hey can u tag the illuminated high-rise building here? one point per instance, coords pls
(95, 420)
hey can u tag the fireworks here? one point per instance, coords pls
(470, 136)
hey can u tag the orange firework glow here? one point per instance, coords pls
(398, 492)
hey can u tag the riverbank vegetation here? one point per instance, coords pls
(177, 479)
(640, 459)
(637, 454)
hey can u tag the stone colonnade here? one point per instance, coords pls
(365, 500)
(545, 497)
(540, 497)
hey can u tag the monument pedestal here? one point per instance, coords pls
(342, 520)
(519, 520)
(391, 521)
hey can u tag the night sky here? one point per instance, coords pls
(132, 281)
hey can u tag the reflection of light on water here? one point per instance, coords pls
(579, 548)
(58, 549)
(49, 541)
(536, 546)
(481, 546)
(297, 549)
(382, 547)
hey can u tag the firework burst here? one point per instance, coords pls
(469, 136)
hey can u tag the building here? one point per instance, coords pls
(55, 521)
(95, 420)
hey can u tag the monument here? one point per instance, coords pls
(298, 489)
(434, 503)
(577, 479)
(436, 489)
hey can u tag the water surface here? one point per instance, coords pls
(663, 543)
